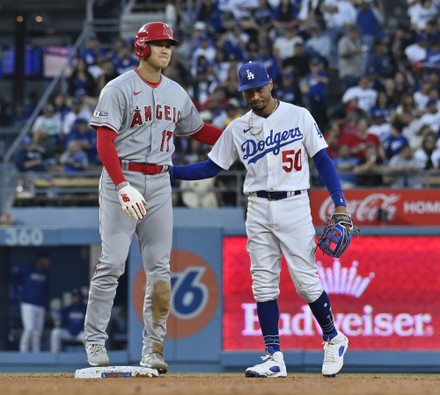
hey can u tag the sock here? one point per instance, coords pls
(268, 316)
(322, 311)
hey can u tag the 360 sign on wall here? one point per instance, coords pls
(384, 293)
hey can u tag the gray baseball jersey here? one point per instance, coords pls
(146, 118)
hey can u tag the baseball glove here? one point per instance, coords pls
(337, 234)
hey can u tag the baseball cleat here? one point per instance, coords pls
(97, 355)
(154, 361)
(273, 367)
(334, 351)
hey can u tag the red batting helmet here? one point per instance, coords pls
(153, 31)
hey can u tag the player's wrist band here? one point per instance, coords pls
(122, 185)
(338, 199)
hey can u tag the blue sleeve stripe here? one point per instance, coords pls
(195, 171)
(329, 176)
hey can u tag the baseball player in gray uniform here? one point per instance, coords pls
(274, 141)
(136, 117)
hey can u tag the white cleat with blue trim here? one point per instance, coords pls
(273, 366)
(334, 351)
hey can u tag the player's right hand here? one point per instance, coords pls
(132, 202)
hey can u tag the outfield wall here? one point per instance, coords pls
(384, 295)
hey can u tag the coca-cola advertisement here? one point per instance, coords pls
(374, 207)
(384, 294)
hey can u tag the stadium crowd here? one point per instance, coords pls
(372, 87)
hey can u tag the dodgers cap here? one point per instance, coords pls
(252, 75)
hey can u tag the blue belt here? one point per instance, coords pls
(274, 195)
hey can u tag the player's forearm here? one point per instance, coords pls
(329, 176)
(195, 171)
(108, 154)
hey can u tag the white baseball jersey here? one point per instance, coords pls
(145, 118)
(275, 150)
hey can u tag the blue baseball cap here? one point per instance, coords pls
(252, 75)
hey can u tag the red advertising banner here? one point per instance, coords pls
(374, 207)
(384, 293)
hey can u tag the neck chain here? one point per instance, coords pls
(256, 133)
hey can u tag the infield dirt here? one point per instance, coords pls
(221, 384)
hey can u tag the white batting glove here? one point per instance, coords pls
(132, 202)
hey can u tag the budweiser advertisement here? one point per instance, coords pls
(384, 294)
(374, 207)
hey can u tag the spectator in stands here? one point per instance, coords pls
(406, 168)
(46, 130)
(284, 43)
(337, 14)
(421, 12)
(317, 97)
(369, 19)
(370, 170)
(206, 48)
(362, 93)
(284, 13)
(395, 141)
(72, 325)
(78, 110)
(345, 163)
(208, 14)
(204, 81)
(416, 52)
(429, 154)
(233, 42)
(199, 193)
(30, 156)
(431, 116)
(406, 111)
(232, 111)
(74, 159)
(421, 94)
(174, 13)
(379, 125)
(32, 283)
(108, 73)
(19, 116)
(81, 82)
(61, 109)
(263, 15)
(299, 61)
(360, 139)
(416, 136)
(123, 60)
(288, 89)
(350, 58)
(380, 60)
(319, 44)
(86, 137)
(266, 56)
(91, 56)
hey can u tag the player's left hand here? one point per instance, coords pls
(337, 234)
(132, 202)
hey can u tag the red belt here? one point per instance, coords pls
(147, 168)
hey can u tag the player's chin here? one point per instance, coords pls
(165, 61)
(257, 106)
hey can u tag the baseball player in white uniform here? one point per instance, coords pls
(274, 141)
(136, 117)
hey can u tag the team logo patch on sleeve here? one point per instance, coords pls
(100, 114)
